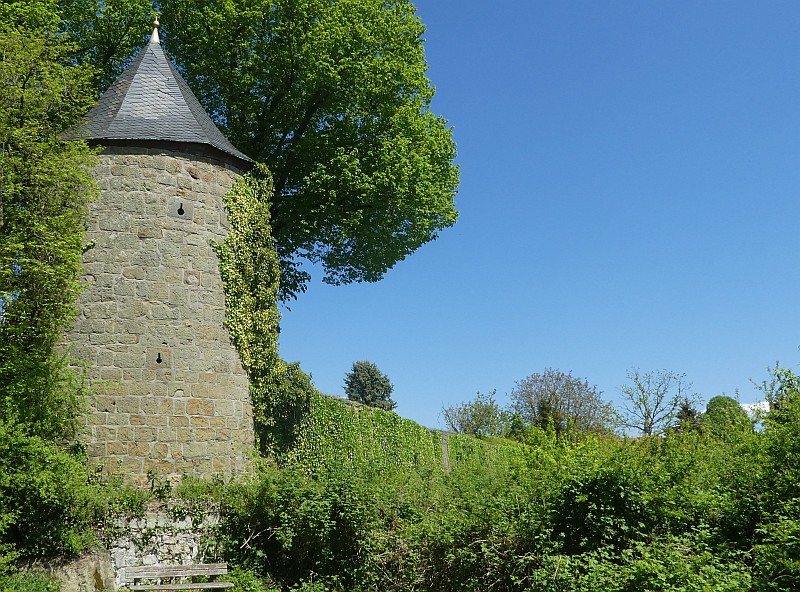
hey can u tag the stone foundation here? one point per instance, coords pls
(161, 539)
(158, 538)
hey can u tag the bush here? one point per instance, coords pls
(28, 582)
(46, 504)
(777, 557)
(603, 509)
(289, 526)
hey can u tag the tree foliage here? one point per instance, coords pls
(366, 384)
(724, 418)
(782, 387)
(108, 33)
(45, 186)
(652, 399)
(333, 98)
(688, 419)
(559, 400)
(479, 417)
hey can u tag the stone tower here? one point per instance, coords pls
(168, 392)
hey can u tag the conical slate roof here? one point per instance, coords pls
(150, 101)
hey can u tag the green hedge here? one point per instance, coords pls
(334, 433)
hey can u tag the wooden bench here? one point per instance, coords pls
(178, 577)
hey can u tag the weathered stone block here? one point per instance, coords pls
(196, 421)
(135, 273)
(132, 375)
(125, 434)
(102, 403)
(200, 407)
(104, 434)
(140, 448)
(224, 408)
(144, 434)
(118, 419)
(178, 421)
(96, 449)
(159, 450)
(116, 448)
(138, 420)
(167, 434)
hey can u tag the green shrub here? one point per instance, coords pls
(603, 508)
(777, 557)
(247, 581)
(291, 526)
(28, 582)
(45, 501)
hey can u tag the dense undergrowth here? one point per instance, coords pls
(684, 512)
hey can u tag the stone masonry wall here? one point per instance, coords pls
(161, 538)
(168, 392)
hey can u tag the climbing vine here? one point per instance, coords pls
(249, 267)
(336, 434)
(250, 272)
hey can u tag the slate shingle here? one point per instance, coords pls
(151, 101)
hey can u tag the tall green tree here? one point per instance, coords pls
(782, 387)
(332, 96)
(366, 384)
(44, 188)
(725, 419)
(688, 418)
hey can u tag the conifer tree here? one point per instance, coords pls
(366, 384)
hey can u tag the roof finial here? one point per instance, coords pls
(154, 37)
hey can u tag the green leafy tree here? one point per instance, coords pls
(45, 186)
(652, 399)
(777, 556)
(782, 446)
(366, 384)
(725, 419)
(559, 400)
(782, 387)
(108, 32)
(333, 98)
(480, 417)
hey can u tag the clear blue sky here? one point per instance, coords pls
(630, 197)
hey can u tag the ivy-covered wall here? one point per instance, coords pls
(335, 433)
